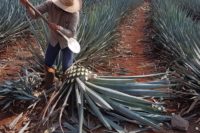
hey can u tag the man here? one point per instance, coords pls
(63, 16)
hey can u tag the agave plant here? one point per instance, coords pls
(22, 89)
(179, 34)
(12, 22)
(113, 100)
(192, 6)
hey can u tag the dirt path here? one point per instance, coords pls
(137, 55)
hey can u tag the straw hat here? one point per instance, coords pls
(68, 5)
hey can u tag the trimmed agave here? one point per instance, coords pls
(81, 93)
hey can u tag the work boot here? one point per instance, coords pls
(50, 78)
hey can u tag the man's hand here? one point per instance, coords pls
(24, 2)
(54, 26)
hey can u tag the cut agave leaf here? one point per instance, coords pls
(115, 126)
(98, 113)
(133, 115)
(117, 94)
(96, 97)
(111, 81)
(133, 77)
(126, 86)
(147, 93)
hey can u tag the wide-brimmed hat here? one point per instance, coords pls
(76, 5)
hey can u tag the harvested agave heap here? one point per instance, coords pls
(84, 95)
(113, 100)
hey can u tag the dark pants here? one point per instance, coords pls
(52, 53)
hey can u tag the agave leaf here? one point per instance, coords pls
(139, 107)
(78, 97)
(133, 77)
(159, 82)
(111, 81)
(156, 117)
(148, 93)
(118, 128)
(97, 112)
(140, 130)
(57, 101)
(134, 86)
(122, 118)
(117, 94)
(69, 126)
(96, 97)
(81, 112)
(24, 128)
(15, 121)
(133, 115)
(64, 105)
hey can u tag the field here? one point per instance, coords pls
(137, 71)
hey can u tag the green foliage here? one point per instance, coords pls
(19, 90)
(180, 35)
(121, 99)
(98, 26)
(12, 21)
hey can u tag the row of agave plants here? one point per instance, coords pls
(69, 105)
(13, 21)
(12, 25)
(179, 34)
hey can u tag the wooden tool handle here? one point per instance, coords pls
(45, 20)
(37, 11)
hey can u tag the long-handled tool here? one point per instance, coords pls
(73, 44)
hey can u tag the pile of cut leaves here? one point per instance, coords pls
(71, 105)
